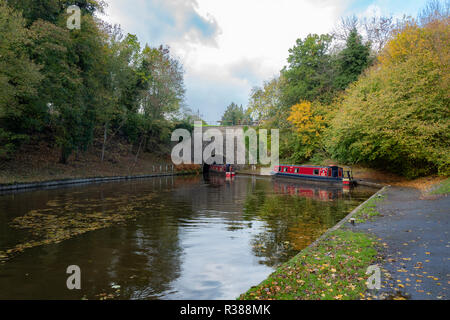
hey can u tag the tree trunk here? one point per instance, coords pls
(65, 153)
(137, 154)
(105, 133)
(106, 140)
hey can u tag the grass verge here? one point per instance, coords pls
(333, 270)
(443, 188)
(368, 211)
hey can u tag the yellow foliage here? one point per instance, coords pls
(308, 125)
(431, 43)
(397, 115)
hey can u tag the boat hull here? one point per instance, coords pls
(312, 179)
(221, 170)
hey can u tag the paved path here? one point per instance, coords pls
(415, 235)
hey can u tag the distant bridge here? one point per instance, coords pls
(232, 124)
(223, 129)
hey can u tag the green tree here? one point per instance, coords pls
(234, 115)
(60, 93)
(19, 81)
(265, 102)
(159, 90)
(164, 78)
(352, 60)
(50, 10)
(119, 77)
(310, 73)
(77, 118)
(73, 84)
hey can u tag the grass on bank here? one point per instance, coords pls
(332, 270)
(443, 188)
(368, 211)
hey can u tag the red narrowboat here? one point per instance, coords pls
(227, 169)
(328, 174)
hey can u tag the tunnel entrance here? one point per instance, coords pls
(206, 168)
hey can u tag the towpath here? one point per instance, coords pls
(414, 231)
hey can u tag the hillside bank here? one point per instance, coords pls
(40, 163)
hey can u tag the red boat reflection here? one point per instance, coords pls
(312, 191)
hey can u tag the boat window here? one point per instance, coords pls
(285, 169)
(297, 170)
(316, 172)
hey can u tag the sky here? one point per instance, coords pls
(229, 46)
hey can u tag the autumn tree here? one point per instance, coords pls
(397, 116)
(309, 126)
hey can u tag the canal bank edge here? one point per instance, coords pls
(349, 216)
(312, 260)
(45, 184)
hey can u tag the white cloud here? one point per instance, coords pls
(169, 21)
(226, 46)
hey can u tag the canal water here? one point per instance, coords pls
(161, 238)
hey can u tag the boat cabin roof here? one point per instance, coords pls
(303, 166)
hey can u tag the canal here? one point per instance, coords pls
(161, 238)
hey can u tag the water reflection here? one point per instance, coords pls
(188, 238)
(295, 213)
(321, 192)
